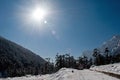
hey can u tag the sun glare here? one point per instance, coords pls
(38, 14)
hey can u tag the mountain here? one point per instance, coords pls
(16, 60)
(113, 46)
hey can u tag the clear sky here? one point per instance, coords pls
(68, 26)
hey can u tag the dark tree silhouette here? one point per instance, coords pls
(99, 59)
(107, 56)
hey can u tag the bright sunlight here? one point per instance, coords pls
(38, 14)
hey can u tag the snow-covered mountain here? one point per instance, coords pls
(14, 57)
(113, 45)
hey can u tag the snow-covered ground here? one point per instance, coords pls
(67, 74)
(111, 68)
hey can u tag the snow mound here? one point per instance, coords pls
(111, 68)
(62, 74)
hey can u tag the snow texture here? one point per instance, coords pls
(68, 74)
(111, 68)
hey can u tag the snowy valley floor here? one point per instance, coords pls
(66, 74)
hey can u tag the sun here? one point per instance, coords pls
(38, 14)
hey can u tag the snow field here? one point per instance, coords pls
(111, 68)
(67, 74)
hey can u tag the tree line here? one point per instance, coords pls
(106, 58)
(83, 62)
(10, 67)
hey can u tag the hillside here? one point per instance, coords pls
(112, 44)
(16, 60)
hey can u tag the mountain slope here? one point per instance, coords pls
(113, 45)
(14, 57)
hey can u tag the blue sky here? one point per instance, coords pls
(72, 25)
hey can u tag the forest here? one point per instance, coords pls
(11, 67)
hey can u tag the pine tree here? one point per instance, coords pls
(97, 56)
(107, 55)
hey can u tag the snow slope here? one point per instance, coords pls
(111, 68)
(67, 74)
(113, 45)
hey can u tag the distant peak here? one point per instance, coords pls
(116, 36)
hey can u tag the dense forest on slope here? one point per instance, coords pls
(17, 61)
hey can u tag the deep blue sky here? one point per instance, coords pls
(73, 25)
